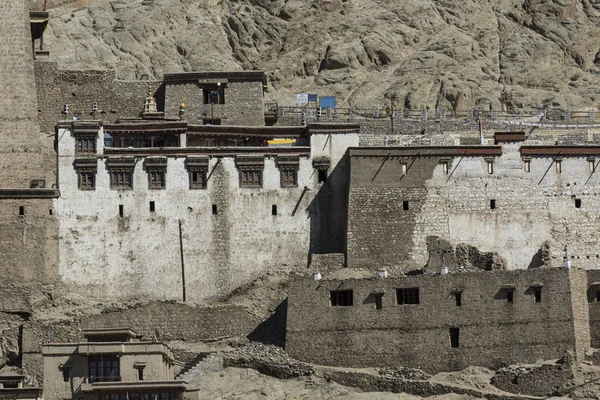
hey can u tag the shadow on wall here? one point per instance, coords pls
(272, 330)
(328, 212)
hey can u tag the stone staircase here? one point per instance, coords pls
(205, 362)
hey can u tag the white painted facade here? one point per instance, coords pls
(138, 255)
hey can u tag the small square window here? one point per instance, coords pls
(85, 145)
(86, 180)
(197, 179)
(152, 207)
(251, 178)
(492, 204)
(21, 210)
(527, 165)
(405, 205)
(407, 296)
(403, 168)
(558, 166)
(490, 167)
(577, 203)
(341, 298)
(289, 177)
(121, 180)
(592, 165)
(274, 210)
(156, 179)
(215, 211)
(214, 94)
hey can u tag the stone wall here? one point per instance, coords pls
(24, 154)
(243, 103)
(533, 210)
(29, 242)
(492, 331)
(79, 89)
(593, 295)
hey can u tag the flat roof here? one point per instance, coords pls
(216, 75)
(121, 331)
(426, 151)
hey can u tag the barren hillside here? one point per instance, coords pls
(457, 54)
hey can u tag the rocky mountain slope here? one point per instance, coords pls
(507, 54)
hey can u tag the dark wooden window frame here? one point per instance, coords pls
(406, 296)
(341, 298)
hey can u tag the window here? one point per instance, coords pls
(214, 209)
(156, 179)
(509, 295)
(527, 165)
(403, 168)
(492, 204)
(322, 175)
(445, 167)
(274, 210)
(289, 177)
(251, 178)
(152, 206)
(598, 296)
(121, 179)
(121, 210)
(214, 121)
(577, 203)
(490, 166)
(458, 298)
(405, 206)
(591, 165)
(537, 293)
(558, 166)
(341, 298)
(407, 296)
(197, 179)
(86, 180)
(104, 368)
(85, 145)
(65, 373)
(140, 374)
(21, 210)
(454, 336)
(214, 95)
(378, 301)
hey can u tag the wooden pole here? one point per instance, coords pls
(182, 263)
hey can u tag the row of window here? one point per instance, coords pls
(526, 166)
(345, 298)
(250, 178)
(142, 396)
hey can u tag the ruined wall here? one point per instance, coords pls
(139, 254)
(492, 331)
(243, 103)
(532, 209)
(24, 154)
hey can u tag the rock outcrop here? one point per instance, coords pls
(499, 54)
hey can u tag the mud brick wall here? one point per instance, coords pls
(23, 152)
(594, 307)
(532, 209)
(492, 331)
(79, 89)
(28, 243)
(243, 103)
